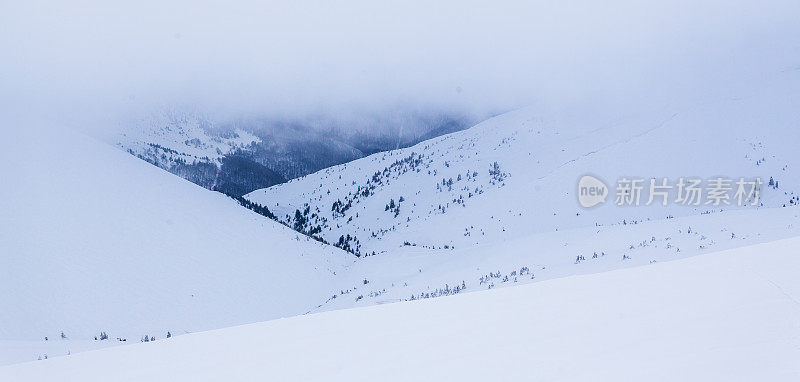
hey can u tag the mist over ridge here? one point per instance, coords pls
(100, 63)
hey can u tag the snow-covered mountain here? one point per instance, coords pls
(516, 174)
(106, 243)
(241, 155)
(187, 145)
(413, 273)
(372, 191)
(724, 316)
(94, 240)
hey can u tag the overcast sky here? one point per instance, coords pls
(73, 59)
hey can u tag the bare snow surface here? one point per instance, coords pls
(95, 240)
(727, 316)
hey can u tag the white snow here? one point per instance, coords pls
(102, 241)
(424, 273)
(729, 316)
(93, 239)
(450, 198)
(171, 137)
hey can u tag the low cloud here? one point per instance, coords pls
(94, 59)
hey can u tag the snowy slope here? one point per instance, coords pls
(729, 316)
(180, 137)
(447, 191)
(178, 258)
(93, 239)
(187, 145)
(97, 241)
(240, 155)
(412, 273)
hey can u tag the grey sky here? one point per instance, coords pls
(80, 58)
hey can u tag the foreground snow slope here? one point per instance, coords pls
(730, 316)
(446, 192)
(93, 239)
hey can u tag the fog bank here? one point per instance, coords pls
(91, 60)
